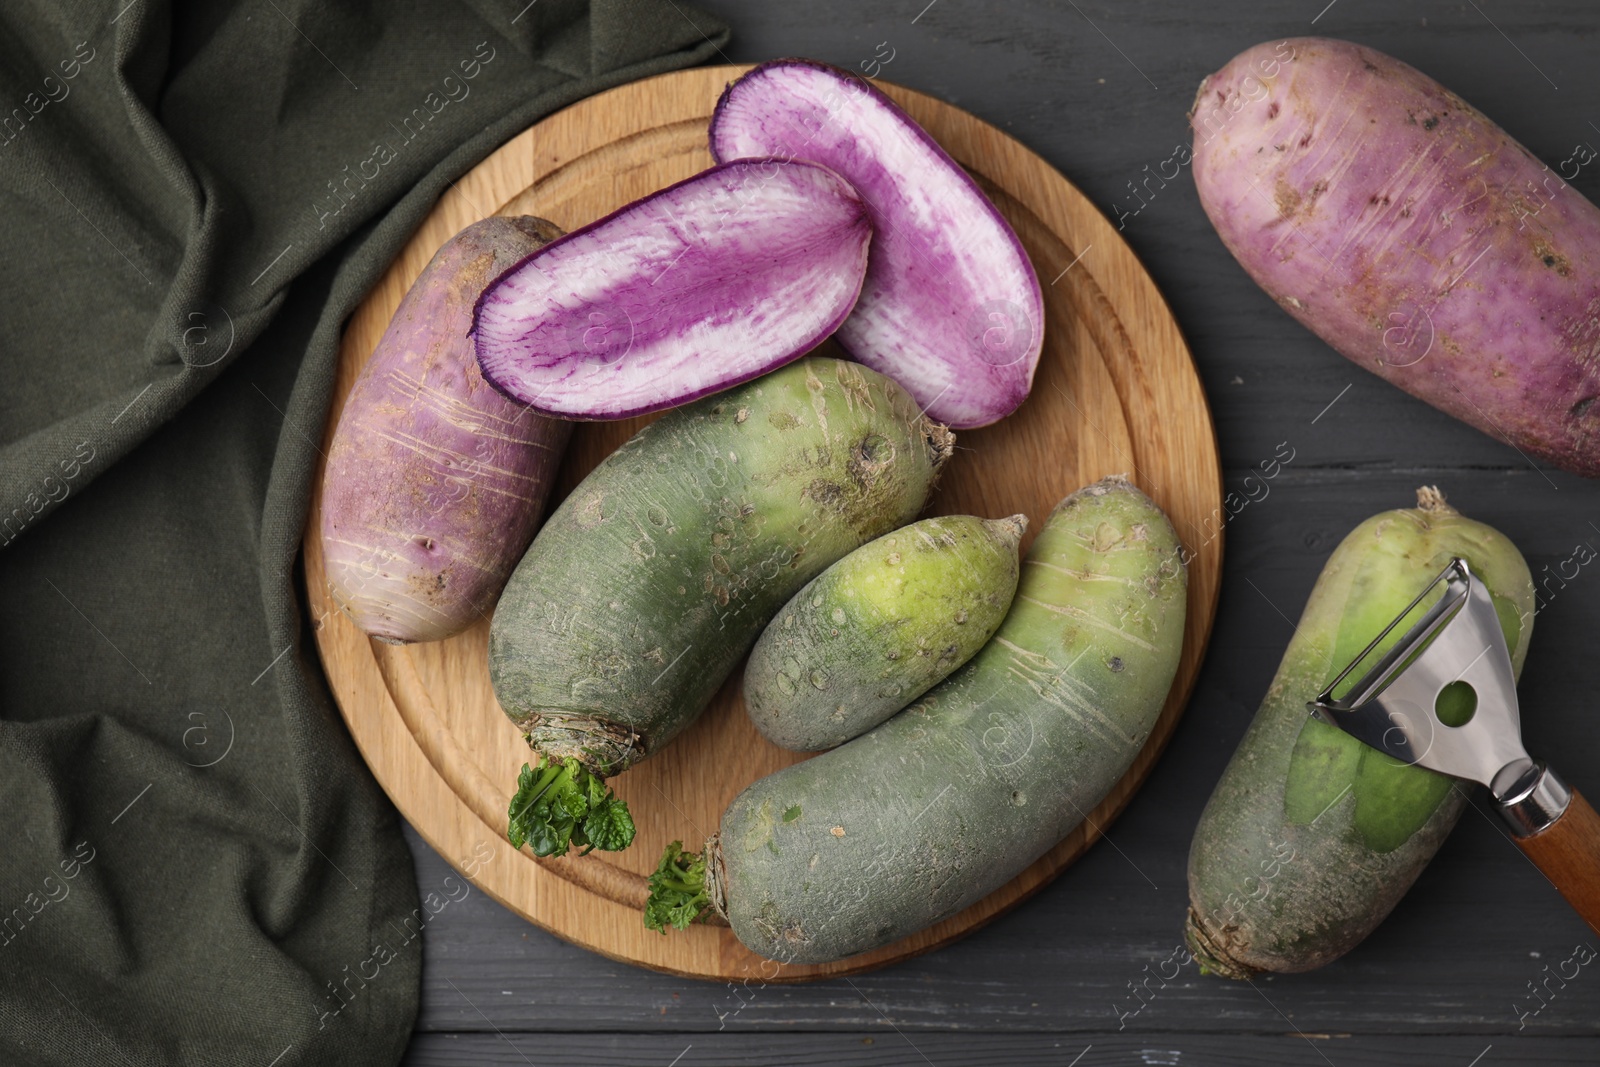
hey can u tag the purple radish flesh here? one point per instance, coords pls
(951, 308)
(691, 290)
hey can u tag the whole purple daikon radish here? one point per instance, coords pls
(691, 290)
(435, 481)
(951, 308)
(1412, 234)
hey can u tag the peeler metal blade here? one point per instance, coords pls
(1392, 706)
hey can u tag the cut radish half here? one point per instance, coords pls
(692, 290)
(951, 308)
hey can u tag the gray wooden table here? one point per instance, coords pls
(1100, 90)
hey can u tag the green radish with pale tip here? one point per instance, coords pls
(947, 801)
(654, 577)
(881, 627)
(1311, 837)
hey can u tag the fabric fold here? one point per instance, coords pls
(195, 865)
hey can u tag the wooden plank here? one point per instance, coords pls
(882, 1047)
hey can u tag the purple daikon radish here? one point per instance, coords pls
(435, 482)
(692, 290)
(951, 308)
(1411, 233)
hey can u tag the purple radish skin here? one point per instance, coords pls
(1412, 234)
(435, 481)
(951, 308)
(689, 291)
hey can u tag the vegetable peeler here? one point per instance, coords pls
(1455, 656)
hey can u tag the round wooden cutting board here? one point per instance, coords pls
(1116, 392)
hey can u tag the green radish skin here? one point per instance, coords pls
(934, 809)
(881, 627)
(652, 579)
(1311, 837)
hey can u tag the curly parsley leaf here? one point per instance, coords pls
(677, 890)
(609, 824)
(561, 804)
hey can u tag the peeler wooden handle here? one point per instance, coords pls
(1562, 839)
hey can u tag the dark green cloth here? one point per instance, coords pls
(195, 867)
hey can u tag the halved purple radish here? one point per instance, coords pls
(692, 290)
(951, 308)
